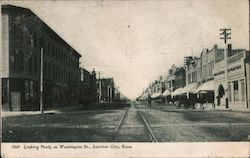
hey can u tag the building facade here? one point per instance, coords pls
(236, 85)
(87, 88)
(105, 90)
(247, 66)
(204, 79)
(25, 37)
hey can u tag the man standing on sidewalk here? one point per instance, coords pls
(149, 101)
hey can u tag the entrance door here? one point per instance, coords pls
(221, 93)
(16, 101)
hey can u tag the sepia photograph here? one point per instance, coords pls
(116, 71)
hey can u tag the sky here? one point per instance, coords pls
(135, 41)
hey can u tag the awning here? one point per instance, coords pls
(166, 93)
(144, 96)
(155, 95)
(177, 91)
(207, 86)
(190, 88)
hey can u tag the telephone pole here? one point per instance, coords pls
(100, 86)
(41, 83)
(226, 35)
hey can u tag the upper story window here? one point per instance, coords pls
(16, 61)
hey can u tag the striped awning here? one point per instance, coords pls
(178, 91)
(156, 95)
(207, 86)
(190, 88)
(166, 93)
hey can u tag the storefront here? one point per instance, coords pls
(235, 88)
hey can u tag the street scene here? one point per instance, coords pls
(134, 123)
(125, 71)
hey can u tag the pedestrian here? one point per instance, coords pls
(149, 101)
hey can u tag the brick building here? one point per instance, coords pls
(105, 89)
(24, 37)
(87, 87)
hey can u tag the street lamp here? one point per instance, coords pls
(225, 35)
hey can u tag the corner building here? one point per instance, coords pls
(237, 87)
(24, 37)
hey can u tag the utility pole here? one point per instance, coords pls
(187, 61)
(225, 35)
(171, 87)
(100, 86)
(41, 83)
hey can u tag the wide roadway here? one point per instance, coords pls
(167, 123)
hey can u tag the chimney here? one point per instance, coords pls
(215, 46)
(229, 47)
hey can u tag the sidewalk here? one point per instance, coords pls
(223, 108)
(206, 108)
(92, 107)
(22, 113)
(47, 111)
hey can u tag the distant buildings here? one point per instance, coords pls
(203, 80)
(105, 90)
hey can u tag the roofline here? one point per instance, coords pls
(29, 11)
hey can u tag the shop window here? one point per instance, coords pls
(31, 89)
(26, 90)
(236, 91)
(4, 91)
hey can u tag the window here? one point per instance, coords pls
(26, 90)
(49, 71)
(30, 64)
(229, 92)
(41, 41)
(35, 39)
(45, 69)
(4, 91)
(31, 89)
(189, 78)
(16, 61)
(195, 76)
(236, 91)
(243, 91)
(35, 64)
(49, 49)
(82, 76)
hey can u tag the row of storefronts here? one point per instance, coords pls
(209, 80)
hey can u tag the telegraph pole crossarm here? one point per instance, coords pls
(226, 35)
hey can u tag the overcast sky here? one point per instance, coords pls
(137, 41)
